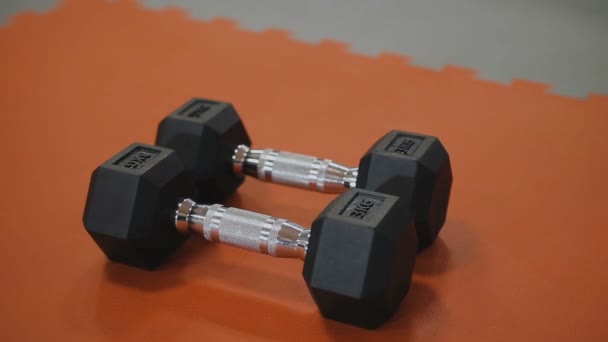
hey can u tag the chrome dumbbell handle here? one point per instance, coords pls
(244, 229)
(296, 170)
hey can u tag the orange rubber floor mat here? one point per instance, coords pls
(522, 256)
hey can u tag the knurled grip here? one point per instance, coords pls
(244, 229)
(241, 228)
(293, 169)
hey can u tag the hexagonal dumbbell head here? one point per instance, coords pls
(421, 158)
(361, 257)
(130, 203)
(204, 133)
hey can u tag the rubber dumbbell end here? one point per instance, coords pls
(361, 257)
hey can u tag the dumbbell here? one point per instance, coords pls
(213, 143)
(358, 256)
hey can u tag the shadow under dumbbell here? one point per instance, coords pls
(415, 306)
(235, 200)
(167, 275)
(232, 295)
(283, 311)
(435, 259)
(455, 247)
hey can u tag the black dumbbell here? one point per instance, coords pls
(213, 143)
(358, 256)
